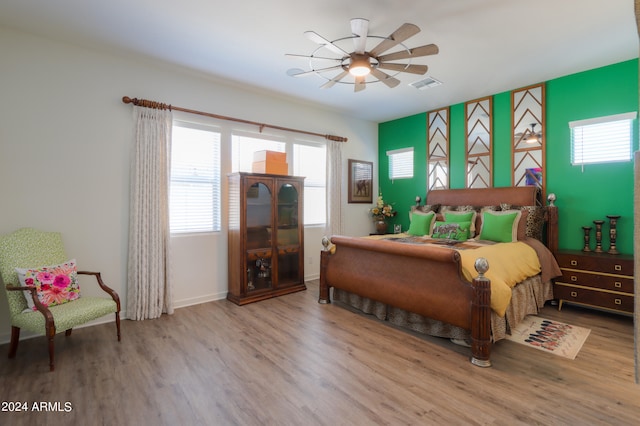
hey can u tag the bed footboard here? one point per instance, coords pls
(425, 280)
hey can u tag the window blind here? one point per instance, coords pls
(400, 163)
(194, 199)
(602, 139)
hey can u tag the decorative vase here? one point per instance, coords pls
(381, 226)
(613, 233)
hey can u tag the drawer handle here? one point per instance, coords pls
(617, 267)
(617, 284)
(574, 278)
(617, 301)
(574, 262)
(574, 294)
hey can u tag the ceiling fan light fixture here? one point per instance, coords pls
(359, 65)
(533, 137)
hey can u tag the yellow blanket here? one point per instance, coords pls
(509, 264)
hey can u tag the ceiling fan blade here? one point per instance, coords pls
(304, 73)
(293, 55)
(413, 69)
(398, 36)
(385, 78)
(416, 52)
(317, 38)
(360, 84)
(334, 80)
(360, 28)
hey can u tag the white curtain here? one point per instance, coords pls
(334, 188)
(149, 289)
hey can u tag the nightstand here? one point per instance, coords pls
(599, 280)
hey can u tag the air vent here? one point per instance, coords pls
(426, 83)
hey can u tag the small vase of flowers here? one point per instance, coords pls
(380, 213)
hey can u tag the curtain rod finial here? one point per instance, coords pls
(127, 100)
(335, 138)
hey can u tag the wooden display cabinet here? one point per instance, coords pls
(598, 280)
(266, 236)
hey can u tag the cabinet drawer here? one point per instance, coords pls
(602, 299)
(605, 282)
(619, 265)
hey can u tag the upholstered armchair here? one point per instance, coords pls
(47, 313)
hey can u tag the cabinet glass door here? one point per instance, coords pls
(288, 238)
(259, 235)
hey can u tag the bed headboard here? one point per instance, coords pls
(517, 196)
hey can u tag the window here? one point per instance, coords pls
(194, 200)
(309, 160)
(400, 163)
(602, 140)
(243, 147)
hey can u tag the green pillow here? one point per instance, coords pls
(452, 230)
(421, 224)
(501, 227)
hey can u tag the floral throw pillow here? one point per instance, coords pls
(56, 284)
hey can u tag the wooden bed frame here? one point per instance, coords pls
(401, 275)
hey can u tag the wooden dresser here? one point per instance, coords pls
(598, 280)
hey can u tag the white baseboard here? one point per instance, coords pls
(177, 304)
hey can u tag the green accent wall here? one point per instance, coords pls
(583, 195)
(405, 132)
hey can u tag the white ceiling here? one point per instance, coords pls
(486, 46)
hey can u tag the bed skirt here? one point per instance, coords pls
(528, 297)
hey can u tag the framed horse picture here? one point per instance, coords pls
(360, 181)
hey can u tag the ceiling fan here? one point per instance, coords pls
(362, 63)
(530, 135)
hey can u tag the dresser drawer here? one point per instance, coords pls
(598, 281)
(602, 299)
(619, 265)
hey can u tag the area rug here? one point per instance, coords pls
(550, 336)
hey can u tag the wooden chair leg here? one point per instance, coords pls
(15, 338)
(51, 333)
(68, 332)
(118, 324)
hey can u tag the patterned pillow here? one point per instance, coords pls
(55, 284)
(463, 216)
(445, 208)
(531, 222)
(534, 221)
(429, 208)
(452, 230)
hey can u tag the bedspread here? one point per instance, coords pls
(509, 263)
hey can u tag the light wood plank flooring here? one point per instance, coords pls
(292, 361)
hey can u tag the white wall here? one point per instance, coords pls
(65, 139)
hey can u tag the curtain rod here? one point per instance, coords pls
(158, 105)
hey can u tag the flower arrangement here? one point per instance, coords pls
(382, 210)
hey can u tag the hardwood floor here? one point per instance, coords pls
(292, 361)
